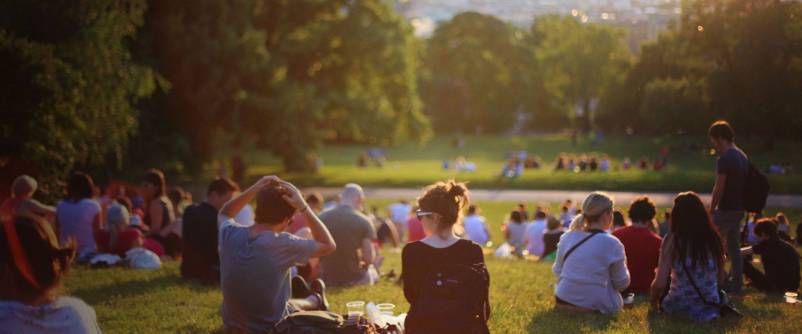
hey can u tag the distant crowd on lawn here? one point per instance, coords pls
(276, 259)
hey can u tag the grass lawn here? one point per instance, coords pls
(133, 301)
(691, 167)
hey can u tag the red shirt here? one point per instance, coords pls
(415, 230)
(643, 252)
(125, 240)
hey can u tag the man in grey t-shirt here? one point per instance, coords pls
(255, 261)
(354, 233)
(727, 204)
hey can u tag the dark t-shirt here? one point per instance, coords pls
(781, 262)
(417, 261)
(550, 241)
(642, 248)
(348, 227)
(200, 260)
(735, 165)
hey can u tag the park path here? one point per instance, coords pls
(552, 196)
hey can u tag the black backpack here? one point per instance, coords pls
(457, 294)
(756, 190)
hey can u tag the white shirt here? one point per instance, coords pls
(245, 216)
(534, 237)
(476, 229)
(594, 274)
(399, 212)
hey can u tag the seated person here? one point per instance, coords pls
(780, 260)
(551, 238)
(200, 260)
(591, 267)
(255, 261)
(641, 245)
(119, 236)
(354, 234)
(476, 226)
(22, 202)
(438, 303)
(691, 266)
(33, 265)
(533, 238)
(515, 231)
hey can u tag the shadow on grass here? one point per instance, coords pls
(99, 294)
(552, 321)
(664, 324)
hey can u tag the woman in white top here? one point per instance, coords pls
(591, 265)
(78, 215)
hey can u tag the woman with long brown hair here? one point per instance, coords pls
(691, 267)
(159, 214)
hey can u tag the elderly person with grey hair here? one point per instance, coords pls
(21, 201)
(353, 232)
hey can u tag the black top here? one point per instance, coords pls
(734, 164)
(200, 260)
(550, 241)
(781, 262)
(419, 260)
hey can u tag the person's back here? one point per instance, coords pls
(682, 298)
(594, 273)
(349, 228)
(75, 221)
(735, 165)
(642, 248)
(476, 229)
(199, 257)
(517, 233)
(65, 315)
(534, 237)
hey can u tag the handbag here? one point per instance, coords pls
(725, 305)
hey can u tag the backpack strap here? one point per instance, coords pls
(592, 234)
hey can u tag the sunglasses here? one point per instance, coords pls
(420, 214)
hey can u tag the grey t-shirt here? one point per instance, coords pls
(66, 315)
(734, 164)
(348, 227)
(255, 275)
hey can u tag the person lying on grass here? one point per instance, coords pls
(32, 265)
(591, 264)
(255, 261)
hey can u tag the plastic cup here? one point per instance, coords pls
(386, 309)
(790, 297)
(355, 308)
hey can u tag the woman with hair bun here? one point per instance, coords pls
(32, 265)
(591, 266)
(445, 278)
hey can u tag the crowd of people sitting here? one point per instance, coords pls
(279, 258)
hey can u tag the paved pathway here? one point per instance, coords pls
(551, 196)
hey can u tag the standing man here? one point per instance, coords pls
(353, 261)
(727, 204)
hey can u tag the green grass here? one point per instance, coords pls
(691, 167)
(133, 301)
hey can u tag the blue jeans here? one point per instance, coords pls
(729, 226)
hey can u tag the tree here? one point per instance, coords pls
(475, 65)
(579, 62)
(69, 86)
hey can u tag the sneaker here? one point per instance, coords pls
(319, 289)
(299, 288)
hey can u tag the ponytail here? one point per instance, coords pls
(578, 223)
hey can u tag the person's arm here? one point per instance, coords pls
(156, 214)
(619, 274)
(557, 268)
(368, 254)
(718, 191)
(41, 209)
(234, 205)
(407, 274)
(325, 242)
(396, 240)
(661, 279)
